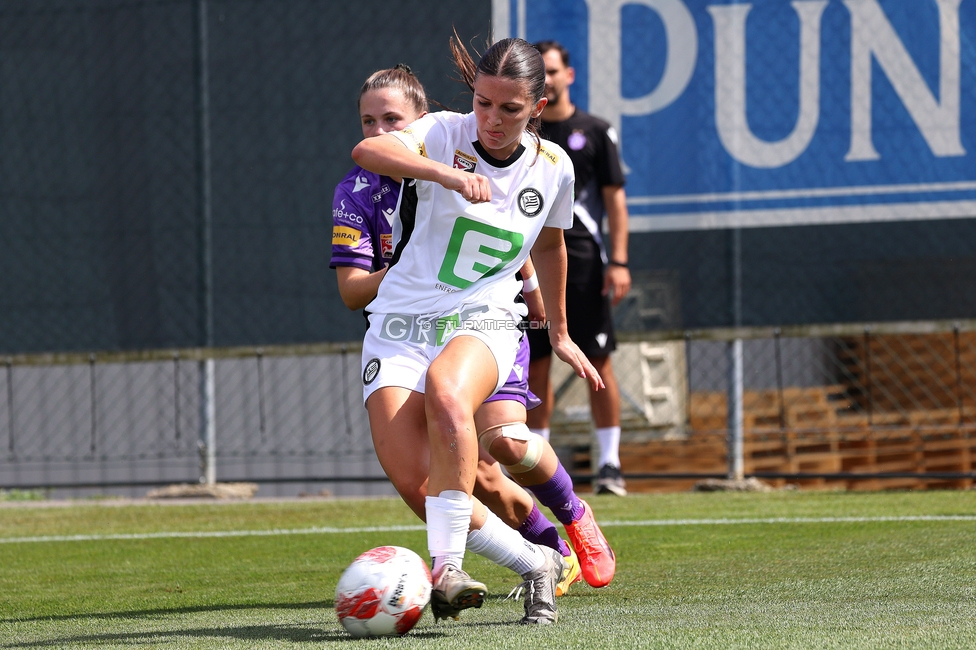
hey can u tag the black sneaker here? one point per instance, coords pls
(610, 481)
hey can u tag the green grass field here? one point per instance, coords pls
(695, 570)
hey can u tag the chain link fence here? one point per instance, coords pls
(883, 405)
(292, 417)
(846, 406)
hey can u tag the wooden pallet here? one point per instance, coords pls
(911, 371)
(770, 409)
(817, 430)
(865, 451)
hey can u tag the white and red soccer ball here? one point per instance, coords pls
(383, 592)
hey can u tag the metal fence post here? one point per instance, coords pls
(867, 374)
(734, 400)
(958, 364)
(11, 447)
(93, 388)
(176, 394)
(779, 378)
(259, 353)
(208, 422)
(208, 415)
(735, 446)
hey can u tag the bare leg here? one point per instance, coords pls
(538, 418)
(509, 451)
(500, 494)
(398, 425)
(605, 407)
(399, 430)
(457, 384)
(605, 403)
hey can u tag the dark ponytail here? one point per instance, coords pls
(509, 58)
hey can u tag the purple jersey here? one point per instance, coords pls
(363, 210)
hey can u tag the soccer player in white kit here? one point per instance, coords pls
(444, 325)
(363, 215)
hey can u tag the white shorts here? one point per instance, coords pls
(399, 348)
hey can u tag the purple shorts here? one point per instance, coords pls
(517, 386)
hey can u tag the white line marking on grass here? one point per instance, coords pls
(215, 533)
(788, 520)
(389, 529)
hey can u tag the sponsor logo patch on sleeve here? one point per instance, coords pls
(345, 236)
(414, 144)
(550, 156)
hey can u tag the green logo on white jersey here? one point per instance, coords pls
(477, 250)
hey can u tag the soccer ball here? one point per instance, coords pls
(383, 592)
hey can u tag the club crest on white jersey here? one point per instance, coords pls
(530, 202)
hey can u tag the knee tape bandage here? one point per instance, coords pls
(534, 445)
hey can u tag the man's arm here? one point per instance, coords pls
(617, 279)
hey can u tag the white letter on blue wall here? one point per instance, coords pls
(873, 35)
(606, 32)
(731, 116)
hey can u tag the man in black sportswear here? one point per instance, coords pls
(597, 266)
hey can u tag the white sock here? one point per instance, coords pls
(448, 520)
(609, 441)
(505, 547)
(544, 432)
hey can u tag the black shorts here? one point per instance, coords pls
(588, 314)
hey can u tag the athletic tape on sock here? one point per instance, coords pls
(447, 525)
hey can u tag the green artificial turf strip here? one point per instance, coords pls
(844, 584)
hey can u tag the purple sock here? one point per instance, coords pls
(557, 494)
(539, 530)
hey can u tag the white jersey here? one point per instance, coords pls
(451, 254)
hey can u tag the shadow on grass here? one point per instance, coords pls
(292, 633)
(297, 633)
(316, 632)
(139, 613)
